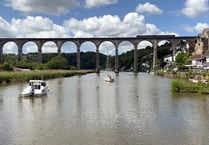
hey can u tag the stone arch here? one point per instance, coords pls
(69, 47)
(69, 51)
(49, 50)
(88, 48)
(125, 46)
(30, 50)
(9, 52)
(87, 45)
(107, 48)
(165, 53)
(144, 43)
(128, 47)
(29, 47)
(49, 47)
(10, 47)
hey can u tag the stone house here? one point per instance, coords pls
(200, 56)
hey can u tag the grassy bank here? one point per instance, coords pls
(180, 86)
(22, 76)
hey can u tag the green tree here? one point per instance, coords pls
(57, 62)
(182, 60)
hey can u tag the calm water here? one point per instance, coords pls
(85, 110)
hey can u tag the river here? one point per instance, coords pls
(85, 110)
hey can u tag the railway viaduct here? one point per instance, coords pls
(153, 39)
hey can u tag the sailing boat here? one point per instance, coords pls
(108, 78)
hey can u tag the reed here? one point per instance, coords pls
(22, 76)
(180, 86)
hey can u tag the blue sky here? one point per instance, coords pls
(96, 18)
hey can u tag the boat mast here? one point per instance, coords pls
(107, 61)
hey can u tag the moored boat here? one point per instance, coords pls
(108, 78)
(198, 79)
(35, 88)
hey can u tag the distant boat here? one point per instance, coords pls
(198, 79)
(108, 78)
(35, 88)
(152, 72)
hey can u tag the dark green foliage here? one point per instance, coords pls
(57, 62)
(176, 86)
(162, 52)
(88, 60)
(182, 60)
(6, 67)
(10, 59)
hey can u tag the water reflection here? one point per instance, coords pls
(135, 109)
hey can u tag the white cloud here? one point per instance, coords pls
(198, 28)
(133, 24)
(6, 29)
(148, 8)
(98, 3)
(151, 29)
(38, 27)
(52, 7)
(195, 8)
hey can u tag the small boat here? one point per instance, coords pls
(198, 79)
(108, 78)
(152, 72)
(35, 88)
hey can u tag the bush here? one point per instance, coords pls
(176, 86)
(72, 68)
(57, 62)
(39, 66)
(189, 87)
(6, 67)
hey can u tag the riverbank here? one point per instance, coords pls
(182, 86)
(188, 82)
(22, 76)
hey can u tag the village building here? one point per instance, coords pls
(200, 56)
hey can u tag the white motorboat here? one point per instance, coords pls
(108, 78)
(35, 88)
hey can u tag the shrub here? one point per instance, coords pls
(57, 62)
(189, 87)
(176, 86)
(6, 67)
